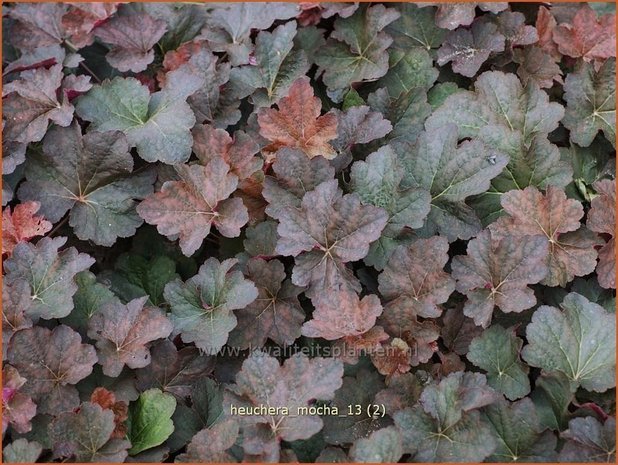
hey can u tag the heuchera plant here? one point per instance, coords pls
(277, 232)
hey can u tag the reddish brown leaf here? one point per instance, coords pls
(122, 333)
(250, 191)
(298, 124)
(602, 219)
(393, 359)
(189, 207)
(293, 175)
(450, 362)
(15, 304)
(33, 101)
(38, 25)
(421, 337)
(513, 27)
(467, 49)
(401, 392)
(17, 408)
(537, 65)
(327, 231)
(81, 19)
(132, 35)
(21, 225)
(588, 37)
(238, 152)
(107, 400)
(174, 371)
(414, 282)
(496, 273)
(451, 15)
(340, 313)
(349, 349)
(276, 314)
(458, 330)
(209, 445)
(299, 381)
(545, 26)
(554, 217)
(174, 59)
(52, 362)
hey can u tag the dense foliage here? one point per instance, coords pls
(309, 232)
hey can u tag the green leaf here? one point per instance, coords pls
(90, 296)
(552, 397)
(356, 49)
(576, 340)
(451, 173)
(352, 99)
(381, 446)
(148, 276)
(589, 441)
(518, 433)
(409, 70)
(468, 440)
(158, 124)
(202, 306)
(514, 121)
(149, 423)
(446, 423)
(497, 352)
(229, 26)
(440, 92)
(92, 176)
(407, 112)
(277, 66)
(49, 273)
(86, 435)
(589, 164)
(356, 390)
(591, 102)
(206, 409)
(184, 21)
(22, 451)
(415, 28)
(377, 182)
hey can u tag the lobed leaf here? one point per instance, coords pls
(92, 177)
(202, 306)
(122, 333)
(575, 340)
(187, 208)
(52, 361)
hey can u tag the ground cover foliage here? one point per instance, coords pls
(393, 224)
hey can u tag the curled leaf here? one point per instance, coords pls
(21, 225)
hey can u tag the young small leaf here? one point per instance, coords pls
(149, 423)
